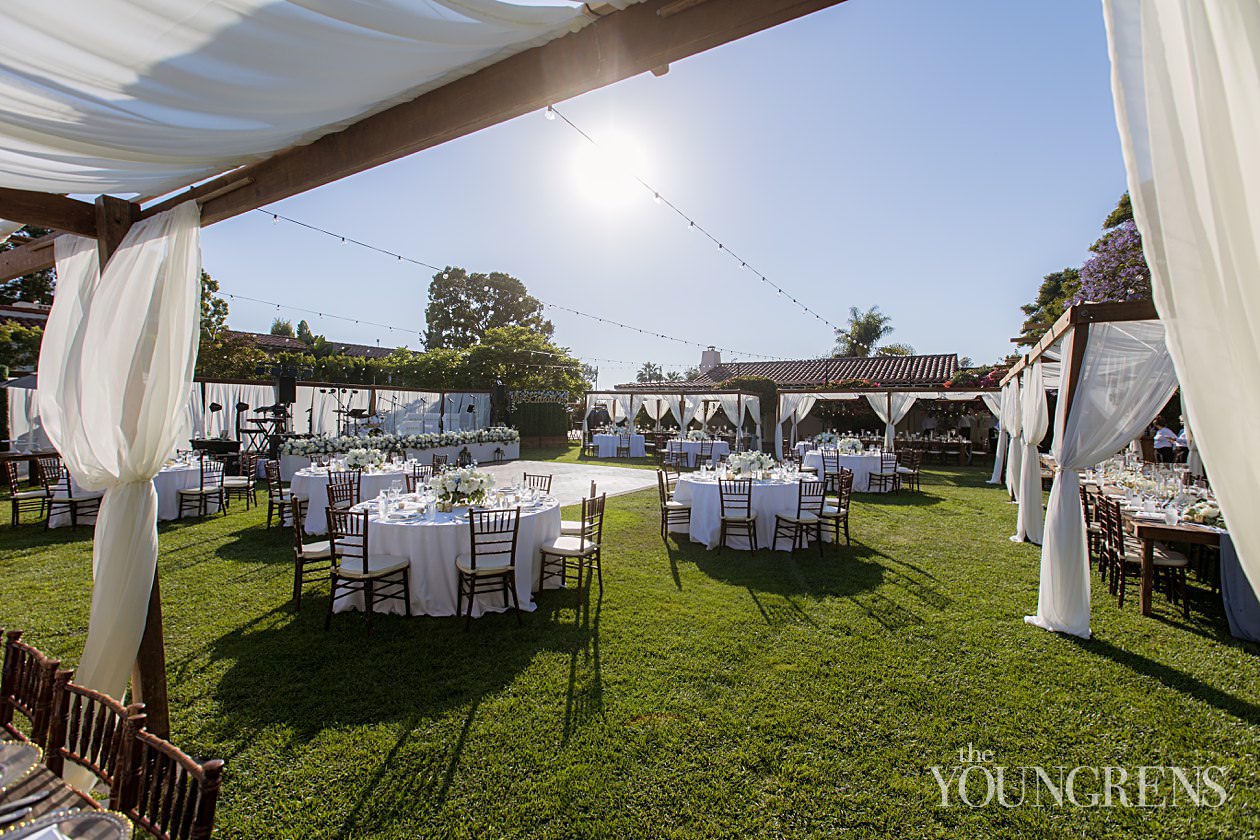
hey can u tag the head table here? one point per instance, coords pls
(433, 541)
(862, 466)
(770, 497)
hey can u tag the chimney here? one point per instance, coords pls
(709, 359)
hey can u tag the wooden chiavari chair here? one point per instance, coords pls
(571, 553)
(737, 514)
(26, 686)
(210, 487)
(279, 498)
(24, 500)
(245, 485)
(56, 481)
(344, 488)
(809, 505)
(836, 514)
(573, 528)
(887, 478)
(418, 477)
(93, 731)
(672, 512)
(909, 466)
(491, 564)
(167, 794)
(541, 483)
(440, 462)
(380, 577)
(311, 560)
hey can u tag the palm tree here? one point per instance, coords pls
(864, 332)
(650, 373)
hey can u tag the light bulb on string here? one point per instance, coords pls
(550, 113)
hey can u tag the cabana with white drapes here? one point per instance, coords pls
(1116, 374)
(891, 405)
(700, 406)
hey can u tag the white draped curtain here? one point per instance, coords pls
(730, 407)
(1014, 450)
(752, 406)
(408, 412)
(1186, 84)
(1034, 423)
(624, 403)
(792, 409)
(993, 402)
(1004, 437)
(1126, 376)
(891, 407)
(658, 405)
(116, 368)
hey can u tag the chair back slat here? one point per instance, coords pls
(275, 489)
(845, 492)
(348, 538)
(736, 496)
(299, 523)
(11, 478)
(26, 687)
(492, 535)
(593, 520)
(211, 473)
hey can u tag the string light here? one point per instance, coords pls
(446, 275)
(552, 113)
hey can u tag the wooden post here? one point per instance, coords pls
(114, 217)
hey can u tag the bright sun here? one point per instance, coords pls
(605, 173)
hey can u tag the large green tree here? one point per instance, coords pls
(464, 307)
(221, 352)
(1055, 295)
(521, 358)
(863, 333)
(36, 287)
(283, 327)
(650, 372)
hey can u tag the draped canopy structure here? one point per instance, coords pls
(738, 406)
(1116, 375)
(890, 405)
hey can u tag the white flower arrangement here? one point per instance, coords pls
(361, 458)
(1205, 513)
(696, 434)
(849, 446)
(748, 464)
(826, 439)
(335, 444)
(461, 485)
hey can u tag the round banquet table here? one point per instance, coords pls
(312, 484)
(167, 483)
(692, 448)
(861, 465)
(432, 542)
(606, 446)
(770, 497)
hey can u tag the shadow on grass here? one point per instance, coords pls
(1171, 677)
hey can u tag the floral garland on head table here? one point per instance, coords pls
(336, 444)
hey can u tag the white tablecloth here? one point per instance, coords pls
(312, 484)
(862, 466)
(167, 483)
(805, 447)
(770, 497)
(692, 448)
(606, 446)
(432, 545)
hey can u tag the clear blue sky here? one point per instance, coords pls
(933, 158)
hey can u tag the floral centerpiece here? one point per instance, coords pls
(362, 458)
(849, 446)
(826, 439)
(1205, 513)
(334, 444)
(461, 486)
(749, 464)
(697, 434)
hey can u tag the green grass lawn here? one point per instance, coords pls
(741, 695)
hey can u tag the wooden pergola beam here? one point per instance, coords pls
(1084, 313)
(35, 255)
(615, 47)
(48, 210)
